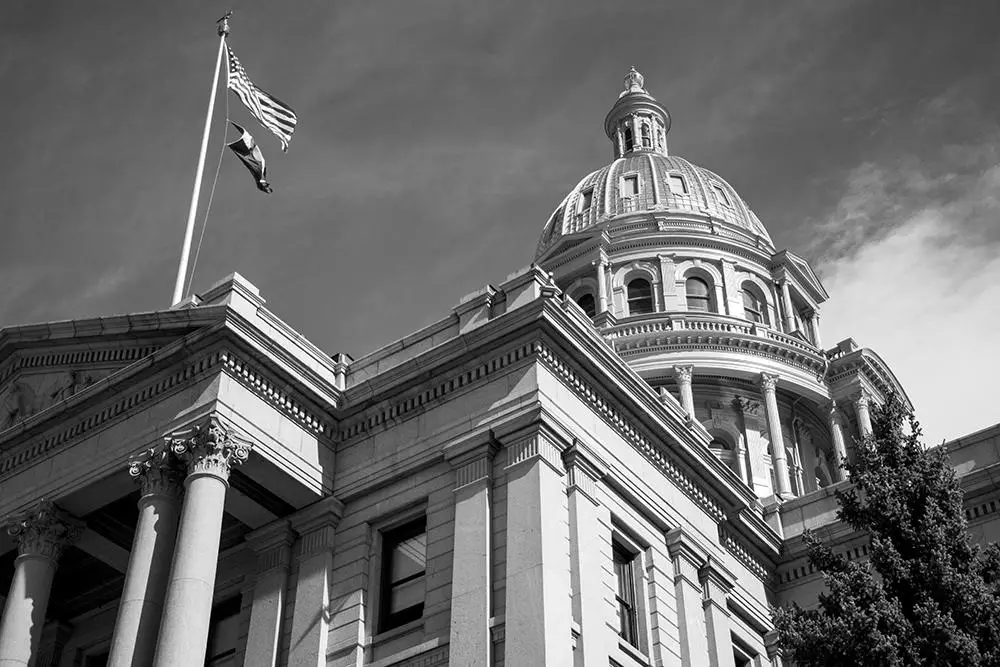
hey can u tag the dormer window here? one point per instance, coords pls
(631, 185)
(720, 194)
(585, 200)
(677, 184)
(629, 142)
(647, 142)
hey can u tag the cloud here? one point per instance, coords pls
(912, 261)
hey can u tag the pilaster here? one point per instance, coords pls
(717, 582)
(688, 560)
(272, 546)
(472, 581)
(316, 526)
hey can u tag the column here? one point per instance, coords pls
(786, 300)
(602, 286)
(861, 406)
(208, 450)
(690, 616)
(684, 375)
(620, 142)
(590, 556)
(472, 583)
(636, 134)
(837, 437)
(768, 384)
(42, 535)
(54, 638)
(317, 526)
(668, 278)
(538, 610)
(272, 545)
(814, 326)
(716, 582)
(160, 475)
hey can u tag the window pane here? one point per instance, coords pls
(631, 185)
(588, 304)
(677, 184)
(721, 194)
(409, 557)
(406, 595)
(587, 199)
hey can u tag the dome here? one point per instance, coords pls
(644, 179)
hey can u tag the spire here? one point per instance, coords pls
(637, 123)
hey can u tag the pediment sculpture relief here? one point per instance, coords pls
(30, 394)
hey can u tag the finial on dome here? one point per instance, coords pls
(633, 82)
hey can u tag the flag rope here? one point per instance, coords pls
(211, 196)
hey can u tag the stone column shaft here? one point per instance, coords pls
(839, 448)
(814, 325)
(786, 300)
(768, 385)
(141, 606)
(684, 375)
(690, 615)
(862, 406)
(42, 535)
(209, 450)
(602, 287)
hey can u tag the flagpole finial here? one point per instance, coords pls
(224, 23)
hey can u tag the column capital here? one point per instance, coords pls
(472, 458)
(272, 545)
(772, 644)
(317, 525)
(680, 546)
(716, 579)
(582, 472)
(45, 531)
(159, 472)
(209, 448)
(769, 381)
(537, 441)
(862, 400)
(833, 413)
(684, 373)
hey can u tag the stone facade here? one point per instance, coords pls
(538, 478)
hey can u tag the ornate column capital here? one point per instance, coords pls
(209, 448)
(45, 531)
(769, 382)
(158, 472)
(684, 374)
(833, 413)
(862, 400)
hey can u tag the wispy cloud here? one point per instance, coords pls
(911, 255)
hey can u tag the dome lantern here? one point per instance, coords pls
(637, 123)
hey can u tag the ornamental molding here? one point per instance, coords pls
(271, 391)
(735, 546)
(433, 658)
(209, 448)
(118, 356)
(126, 403)
(686, 341)
(626, 428)
(45, 531)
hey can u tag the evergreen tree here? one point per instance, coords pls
(927, 595)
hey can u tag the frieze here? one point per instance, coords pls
(118, 356)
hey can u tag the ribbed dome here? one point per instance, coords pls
(664, 183)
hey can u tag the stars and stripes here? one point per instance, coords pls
(271, 112)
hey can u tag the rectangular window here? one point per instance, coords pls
(628, 626)
(631, 185)
(586, 199)
(223, 633)
(677, 184)
(404, 566)
(721, 195)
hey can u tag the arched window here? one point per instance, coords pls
(646, 141)
(724, 451)
(754, 307)
(640, 297)
(587, 302)
(629, 143)
(698, 296)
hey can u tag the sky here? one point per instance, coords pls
(436, 137)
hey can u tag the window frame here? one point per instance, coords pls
(627, 192)
(626, 544)
(720, 194)
(749, 291)
(391, 537)
(586, 200)
(679, 178)
(628, 139)
(707, 298)
(630, 300)
(624, 568)
(583, 294)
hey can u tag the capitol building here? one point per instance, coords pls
(606, 459)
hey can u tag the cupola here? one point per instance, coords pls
(637, 123)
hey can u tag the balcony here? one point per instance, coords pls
(718, 338)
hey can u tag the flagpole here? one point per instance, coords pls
(189, 231)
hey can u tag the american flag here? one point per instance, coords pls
(272, 113)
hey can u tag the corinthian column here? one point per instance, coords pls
(862, 406)
(42, 534)
(786, 301)
(209, 450)
(837, 436)
(160, 475)
(768, 384)
(684, 375)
